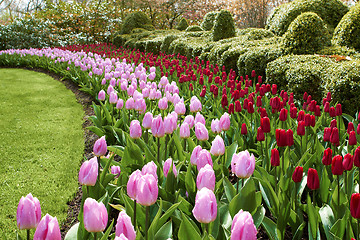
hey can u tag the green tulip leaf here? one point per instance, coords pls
(327, 219)
(72, 233)
(245, 200)
(270, 228)
(312, 214)
(188, 230)
(165, 232)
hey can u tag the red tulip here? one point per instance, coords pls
(334, 137)
(337, 165)
(293, 112)
(281, 137)
(289, 137)
(244, 129)
(283, 114)
(352, 138)
(297, 175)
(313, 179)
(355, 205)
(357, 157)
(348, 162)
(237, 106)
(275, 159)
(350, 127)
(332, 112)
(260, 135)
(327, 157)
(265, 124)
(327, 133)
(338, 110)
(301, 128)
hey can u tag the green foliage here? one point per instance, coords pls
(224, 26)
(183, 24)
(306, 34)
(347, 32)
(120, 39)
(193, 28)
(331, 11)
(255, 33)
(208, 21)
(167, 41)
(136, 20)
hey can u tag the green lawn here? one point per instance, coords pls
(41, 145)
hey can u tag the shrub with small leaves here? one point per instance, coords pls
(208, 21)
(193, 28)
(224, 26)
(136, 20)
(306, 34)
(183, 24)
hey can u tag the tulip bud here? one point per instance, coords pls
(195, 154)
(147, 120)
(204, 158)
(243, 129)
(95, 215)
(224, 122)
(293, 112)
(115, 170)
(28, 213)
(184, 130)
(337, 165)
(281, 137)
(243, 226)
(289, 137)
(119, 103)
(301, 116)
(113, 98)
(146, 190)
(150, 168)
(237, 106)
(297, 175)
(132, 182)
(100, 147)
(169, 124)
(201, 132)
(358, 128)
(301, 128)
(275, 158)
(180, 108)
(199, 118)
(101, 95)
(265, 124)
(205, 209)
(215, 127)
(273, 89)
(195, 104)
(89, 172)
(217, 146)
(327, 134)
(163, 103)
(260, 135)
(355, 205)
(124, 227)
(48, 228)
(130, 103)
(357, 157)
(327, 157)
(167, 166)
(283, 114)
(243, 164)
(157, 127)
(206, 178)
(135, 129)
(333, 123)
(350, 127)
(348, 162)
(338, 110)
(352, 138)
(334, 137)
(332, 112)
(313, 179)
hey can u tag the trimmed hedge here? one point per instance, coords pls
(183, 24)
(347, 32)
(208, 21)
(193, 28)
(331, 11)
(224, 26)
(306, 34)
(136, 20)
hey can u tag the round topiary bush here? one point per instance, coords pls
(306, 34)
(347, 32)
(208, 21)
(183, 24)
(136, 20)
(224, 26)
(193, 28)
(331, 11)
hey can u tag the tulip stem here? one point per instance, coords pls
(358, 223)
(134, 220)
(184, 145)
(95, 233)
(147, 222)
(98, 158)
(158, 155)
(237, 186)
(338, 183)
(28, 234)
(345, 182)
(282, 162)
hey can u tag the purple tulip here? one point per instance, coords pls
(124, 227)
(115, 170)
(157, 127)
(113, 98)
(95, 216)
(206, 178)
(243, 227)
(167, 166)
(48, 229)
(101, 95)
(89, 172)
(150, 168)
(217, 146)
(28, 213)
(224, 122)
(119, 104)
(147, 120)
(184, 130)
(135, 129)
(204, 158)
(195, 154)
(100, 147)
(243, 164)
(132, 183)
(201, 132)
(205, 209)
(147, 190)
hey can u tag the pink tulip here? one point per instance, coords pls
(119, 104)
(150, 168)
(124, 227)
(215, 127)
(147, 190)
(147, 120)
(167, 166)
(243, 164)
(100, 147)
(217, 146)
(184, 130)
(132, 183)
(157, 127)
(201, 132)
(205, 210)
(140, 105)
(206, 178)
(110, 90)
(224, 122)
(169, 125)
(135, 129)
(195, 104)
(113, 98)
(89, 172)
(195, 154)
(180, 108)
(95, 215)
(48, 229)
(163, 103)
(130, 103)
(101, 95)
(203, 159)
(189, 119)
(243, 227)
(199, 118)
(115, 170)
(28, 213)
(121, 237)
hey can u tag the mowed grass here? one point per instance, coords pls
(41, 145)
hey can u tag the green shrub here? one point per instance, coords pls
(193, 28)
(339, 50)
(154, 45)
(166, 43)
(224, 26)
(347, 32)
(331, 11)
(183, 24)
(120, 39)
(208, 21)
(136, 20)
(306, 34)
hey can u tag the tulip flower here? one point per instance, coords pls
(113, 98)
(355, 205)
(313, 179)
(146, 190)
(195, 104)
(289, 137)
(352, 138)
(135, 129)
(100, 147)
(150, 168)
(199, 118)
(357, 157)
(48, 229)
(28, 212)
(121, 237)
(301, 128)
(260, 135)
(157, 127)
(350, 127)
(333, 123)
(201, 132)
(337, 165)
(283, 114)
(89, 172)
(130, 103)
(237, 106)
(204, 158)
(243, 129)
(338, 110)
(265, 124)
(119, 104)
(332, 112)
(124, 226)
(243, 227)
(281, 137)
(167, 166)
(224, 122)
(217, 146)
(327, 134)
(297, 175)
(95, 216)
(101, 95)
(348, 162)
(243, 164)
(205, 209)
(115, 170)
(327, 157)
(184, 130)
(195, 155)
(180, 108)
(169, 125)
(189, 119)
(334, 137)
(147, 120)
(132, 183)
(163, 103)
(206, 178)
(274, 159)
(215, 127)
